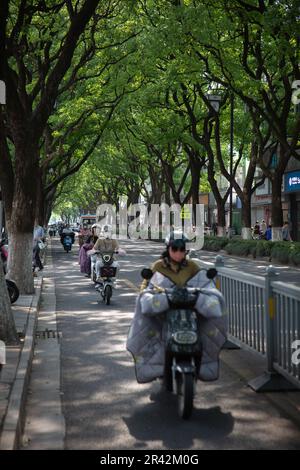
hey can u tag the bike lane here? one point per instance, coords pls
(104, 407)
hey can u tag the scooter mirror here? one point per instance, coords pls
(211, 273)
(146, 273)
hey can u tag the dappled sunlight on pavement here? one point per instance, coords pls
(105, 408)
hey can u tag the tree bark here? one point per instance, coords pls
(276, 214)
(8, 332)
(221, 218)
(23, 216)
(49, 201)
(246, 214)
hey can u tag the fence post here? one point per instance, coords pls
(219, 263)
(271, 380)
(270, 317)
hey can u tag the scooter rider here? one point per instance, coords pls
(146, 339)
(173, 263)
(67, 232)
(105, 244)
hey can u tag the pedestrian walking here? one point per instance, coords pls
(84, 259)
(286, 236)
(38, 235)
(263, 228)
(268, 234)
(215, 229)
(256, 230)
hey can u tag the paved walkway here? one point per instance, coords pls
(104, 407)
(15, 373)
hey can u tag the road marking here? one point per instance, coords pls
(130, 284)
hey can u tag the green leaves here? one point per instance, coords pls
(154, 61)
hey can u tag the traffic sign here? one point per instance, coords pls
(185, 213)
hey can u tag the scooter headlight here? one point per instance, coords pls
(185, 337)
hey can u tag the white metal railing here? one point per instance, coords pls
(286, 328)
(264, 315)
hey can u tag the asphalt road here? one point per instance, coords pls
(254, 266)
(104, 407)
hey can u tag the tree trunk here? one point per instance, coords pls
(195, 184)
(167, 194)
(40, 207)
(23, 216)
(246, 194)
(246, 216)
(48, 212)
(20, 260)
(8, 332)
(277, 216)
(221, 219)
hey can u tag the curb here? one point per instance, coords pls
(15, 415)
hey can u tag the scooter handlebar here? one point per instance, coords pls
(105, 253)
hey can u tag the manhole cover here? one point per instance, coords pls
(45, 334)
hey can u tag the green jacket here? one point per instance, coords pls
(180, 274)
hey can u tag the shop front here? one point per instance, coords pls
(261, 204)
(292, 194)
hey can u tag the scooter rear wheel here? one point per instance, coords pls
(107, 294)
(185, 392)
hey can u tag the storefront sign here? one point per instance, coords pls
(292, 181)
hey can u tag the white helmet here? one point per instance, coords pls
(176, 238)
(107, 231)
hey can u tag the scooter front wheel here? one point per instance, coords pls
(185, 392)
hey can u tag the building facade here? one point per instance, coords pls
(292, 197)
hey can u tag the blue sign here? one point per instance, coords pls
(292, 181)
(238, 203)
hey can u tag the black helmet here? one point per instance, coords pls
(177, 239)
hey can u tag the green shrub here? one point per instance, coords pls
(214, 243)
(294, 254)
(294, 258)
(263, 248)
(280, 252)
(240, 248)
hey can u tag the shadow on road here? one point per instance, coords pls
(158, 422)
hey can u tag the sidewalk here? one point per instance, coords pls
(15, 373)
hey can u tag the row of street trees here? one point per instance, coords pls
(246, 52)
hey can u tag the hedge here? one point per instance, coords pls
(282, 252)
(214, 243)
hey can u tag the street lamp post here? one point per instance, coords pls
(215, 103)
